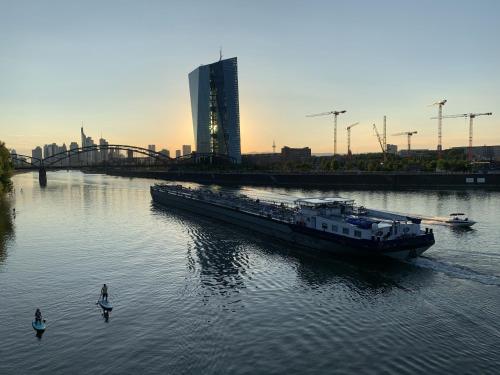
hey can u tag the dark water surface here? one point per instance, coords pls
(193, 295)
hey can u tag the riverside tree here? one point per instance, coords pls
(5, 166)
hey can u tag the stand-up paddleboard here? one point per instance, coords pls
(39, 326)
(106, 305)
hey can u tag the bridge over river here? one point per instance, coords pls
(72, 159)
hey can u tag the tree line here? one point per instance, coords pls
(452, 161)
(5, 167)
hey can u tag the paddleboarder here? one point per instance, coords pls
(104, 292)
(38, 316)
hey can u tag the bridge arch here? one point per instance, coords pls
(51, 161)
(56, 158)
(28, 160)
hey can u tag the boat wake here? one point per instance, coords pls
(435, 220)
(456, 271)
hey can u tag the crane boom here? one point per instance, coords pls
(471, 117)
(452, 116)
(405, 133)
(379, 139)
(381, 143)
(335, 114)
(326, 113)
(409, 135)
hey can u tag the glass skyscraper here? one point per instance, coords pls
(215, 108)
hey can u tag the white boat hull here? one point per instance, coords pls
(461, 223)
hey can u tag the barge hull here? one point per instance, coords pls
(284, 231)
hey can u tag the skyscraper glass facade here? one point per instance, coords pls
(215, 108)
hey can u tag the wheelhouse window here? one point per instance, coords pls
(357, 233)
(335, 228)
(345, 230)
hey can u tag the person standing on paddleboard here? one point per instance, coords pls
(38, 316)
(104, 292)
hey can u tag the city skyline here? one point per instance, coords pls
(65, 64)
(46, 150)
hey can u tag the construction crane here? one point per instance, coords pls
(335, 114)
(409, 134)
(440, 123)
(349, 153)
(380, 141)
(471, 117)
(385, 133)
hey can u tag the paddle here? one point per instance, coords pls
(98, 298)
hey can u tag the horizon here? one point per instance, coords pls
(123, 71)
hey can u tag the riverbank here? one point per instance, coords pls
(352, 180)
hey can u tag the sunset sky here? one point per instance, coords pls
(121, 67)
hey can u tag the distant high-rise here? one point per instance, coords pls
(84, 137)
(392, 149)
(37, 154)
(103, 150)
(165, 152)
(152, 148)
(186, 149)
(177, 153)
(92, 154)
(74, 156)
(215, 108)
(86, 156)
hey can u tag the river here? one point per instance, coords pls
(196, 296)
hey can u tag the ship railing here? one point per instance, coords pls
(266, 208)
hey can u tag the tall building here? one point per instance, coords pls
(215, 108)
(84, 137)
(46, 151)
(63, 160)
(177, 153)
(85, 155)
(74, 156)
(36, 153)
(103, 150)
(186, 149)
(152, 147)
(165, 152)
(392, 149)
(92, 154)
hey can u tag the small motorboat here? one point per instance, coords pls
(458, 219)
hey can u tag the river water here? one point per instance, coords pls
(196, 296)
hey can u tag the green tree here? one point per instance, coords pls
(5, 166)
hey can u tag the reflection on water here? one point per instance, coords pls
(219, 261)
(6, 226)
(105, 314)
(224, 262)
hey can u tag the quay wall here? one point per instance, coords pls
(362, 180)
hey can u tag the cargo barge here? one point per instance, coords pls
(334, 225)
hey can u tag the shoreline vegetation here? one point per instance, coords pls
(5, 168)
